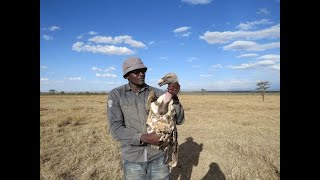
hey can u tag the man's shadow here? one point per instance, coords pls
(214, 173)
(188, 156)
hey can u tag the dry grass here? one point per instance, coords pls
(225, 136)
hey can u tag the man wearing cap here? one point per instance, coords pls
(127, 115)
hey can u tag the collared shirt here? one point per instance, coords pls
(127, 116)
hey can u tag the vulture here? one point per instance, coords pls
(162, 120)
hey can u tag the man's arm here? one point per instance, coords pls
(117, 126)
(152, 138)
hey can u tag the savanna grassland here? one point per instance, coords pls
(224, 136)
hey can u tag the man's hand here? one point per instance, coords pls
(173, 88)
(152, 138)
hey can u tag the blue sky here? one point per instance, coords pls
(217, 45)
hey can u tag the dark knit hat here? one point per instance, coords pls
(131, 64)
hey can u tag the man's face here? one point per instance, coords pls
(137, 77)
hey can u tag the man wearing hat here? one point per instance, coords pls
(127, 115)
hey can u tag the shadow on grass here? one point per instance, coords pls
(214, 173)
(188, 156)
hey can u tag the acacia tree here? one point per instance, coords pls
(203, 91)
(52, 91)
(262, 86)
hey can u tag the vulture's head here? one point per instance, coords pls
(167, 79)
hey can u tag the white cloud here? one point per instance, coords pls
(118, 40)
(271, 57)
(227, 36)
(264, 63)
(47, 37)
(191, 59)
(111, 68)
(44, 79)
(49, 31)
(181, 29)
(80, 36)
(43, 67)
(73, 78)
(205, 75)
(253, 24)
(251, 46)
(276, 67)
(186, 34)
(111, 50)
(253, 65)
(54, 28)
(101, 82)
(92, 33)
(106, 75)
(263, 11)
(247, 55)
(216, 66)
(163, 58)
(77, 46)
(232, 84)
(197, 1)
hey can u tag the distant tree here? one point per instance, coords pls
(203, 91)
(62, 92)
(262, 86)
(52, 91)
